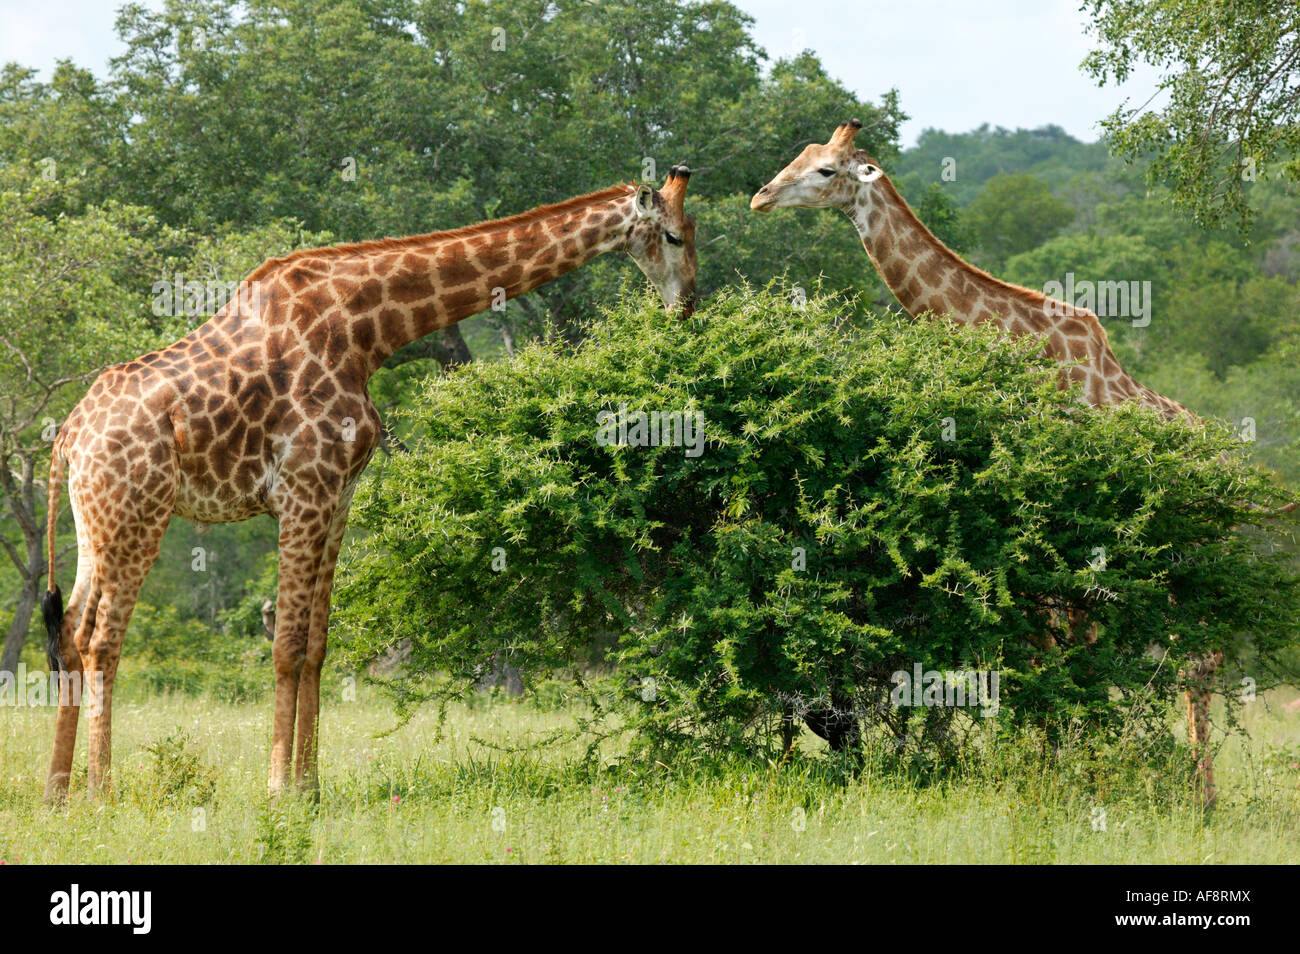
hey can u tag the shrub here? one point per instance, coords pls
(171, 653)
(174, 775)
(866, 500)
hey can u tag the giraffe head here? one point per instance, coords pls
(662, 240)
(823, 176)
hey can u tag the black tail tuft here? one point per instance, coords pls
(52, 610)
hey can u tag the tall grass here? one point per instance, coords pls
(190, 788)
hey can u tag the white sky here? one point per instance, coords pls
(956, 63)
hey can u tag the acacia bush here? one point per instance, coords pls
(168, 653)
(869, 496)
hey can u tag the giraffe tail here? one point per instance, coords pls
(52, 610)
(52, 601)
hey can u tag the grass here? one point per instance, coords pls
(190, 778)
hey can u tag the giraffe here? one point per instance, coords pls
(264, 409)
(928, 277)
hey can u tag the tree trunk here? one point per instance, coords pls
(18, 628)
(507, 336)
(20, 494)
(457, 350)
(446, 346)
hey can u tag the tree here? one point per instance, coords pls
(68, 129)
(938, 209)
(1015, 212)
(70, 302)
(1231, 113)
(462, 112)
(821, 522)
(963, 162)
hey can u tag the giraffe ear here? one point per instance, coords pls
(645, 203)
(869, 173)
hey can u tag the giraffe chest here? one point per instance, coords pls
(205, 494)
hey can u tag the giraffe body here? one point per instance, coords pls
(264, 409)
(927, 277)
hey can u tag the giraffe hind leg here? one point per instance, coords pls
(101, 648)
(125, 521)
(1198, 725)
(75, 630)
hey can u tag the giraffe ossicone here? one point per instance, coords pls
(264, 409)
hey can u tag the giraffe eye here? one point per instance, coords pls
(672, 239)
(827, 172)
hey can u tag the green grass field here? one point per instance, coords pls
(190, 788)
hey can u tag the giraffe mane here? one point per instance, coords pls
(468, 231)
(1027, 295)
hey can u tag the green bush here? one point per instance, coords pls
(167, 652)
(866, 500)
(173, 774)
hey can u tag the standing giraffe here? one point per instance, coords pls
(265, 409)
(927, 276)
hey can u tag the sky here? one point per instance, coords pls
(956, 63)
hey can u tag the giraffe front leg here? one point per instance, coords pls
(305, 773)
(1198, 725)
(301, 555)
(1197, 733)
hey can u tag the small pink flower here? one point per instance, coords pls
(509, 849)
(397, 799)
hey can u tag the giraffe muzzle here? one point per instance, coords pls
(686, 305)
(763, 199)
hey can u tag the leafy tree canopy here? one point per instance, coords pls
(1015, 212)
(855, 503)
(1228, 108)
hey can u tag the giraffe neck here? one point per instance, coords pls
(927, 276)
(380, 296)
